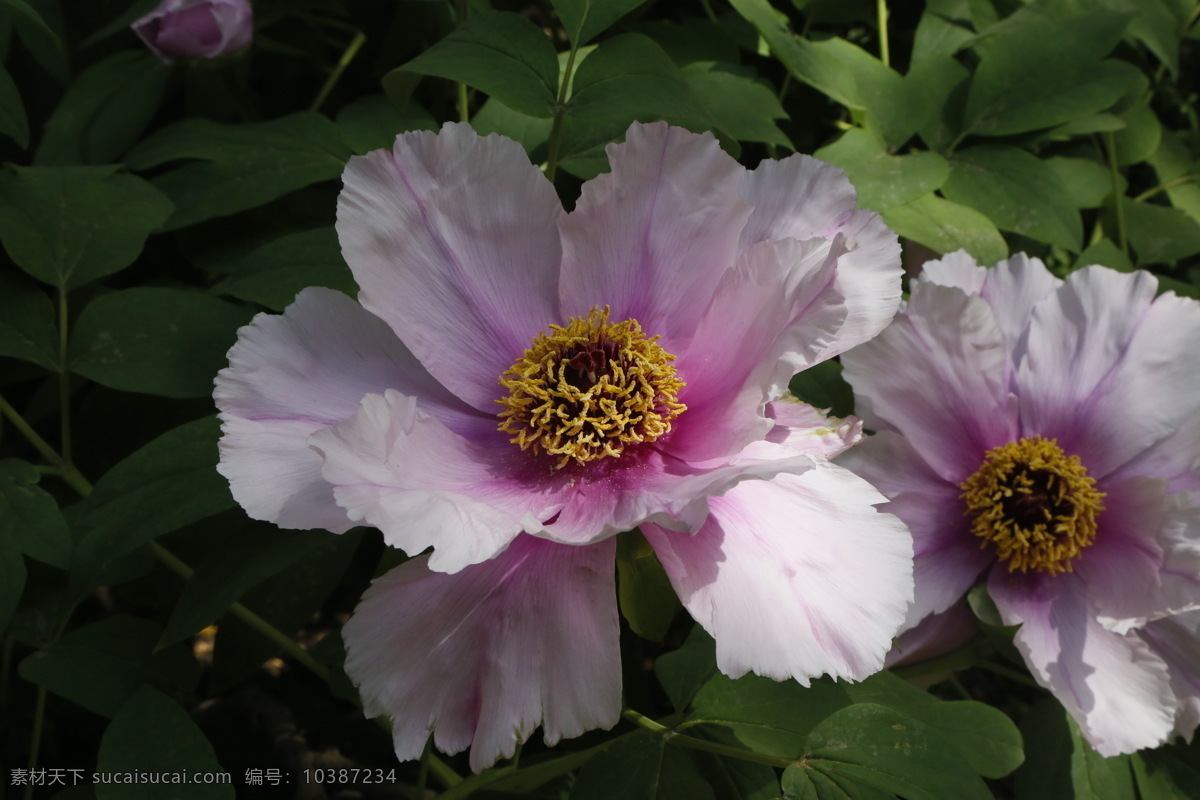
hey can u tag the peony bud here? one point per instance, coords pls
(191, 29)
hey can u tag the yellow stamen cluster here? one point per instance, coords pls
(589, 389)
(1035, 505)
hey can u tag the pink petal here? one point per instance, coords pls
(940, 375)
(1113, 685)
(1122, 567)
(291, 375)
(398, 468)
(794, 577)
(664, 491)
(1012, 288)
(801, 197)
(453, 239)
(768, 319)
(1177, 640)
(1094, 348)
(1173, 458)
(652, 238)
(482, 657)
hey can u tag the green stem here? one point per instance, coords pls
(1118, 206)
(560, 111)
(691, 742)
(1011, 674)
(881, 14)
(35, 738)
(1165, 185)
(347, 56)
(64, 378)
(708, 11)
(1190, 21)
(464, 107)
(66, 471)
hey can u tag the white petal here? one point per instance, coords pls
(453, 238)
(482, 657)
(794, 577)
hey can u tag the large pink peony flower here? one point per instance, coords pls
(1045, 434)
(519, 384)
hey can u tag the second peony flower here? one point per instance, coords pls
(517, 385)
(1042, 435)
(186, 30)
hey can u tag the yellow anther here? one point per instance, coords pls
(588, 389)
(1033, 504)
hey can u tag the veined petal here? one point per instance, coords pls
(801, 197)
(1012, 288)
(453, 239)
(398, 468)
(289, 376)
(794, 577)
(1177, 640)
(1094, 347)
(768, 319)
(482, 657)
(1113, 685)
(652, 238)
(940, 375)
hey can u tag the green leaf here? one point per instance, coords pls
(1167, 773)
(844, 72)
(873, 745)
(648, 601)
(1045, 73)
(67, 226)
(1160, 234)
(626, 78)
(1017, 192)
(882, 180)
(244, 561)
(241, 166)
(500, 53)
(1106, 253)
(1046, 773)
(987, 740)
(274, 273)
(684, 671)
(30, 517)
(1083, 126)
(764, 715)
(937, 36)
(24, 11)
(533, 133)
(169, 483)
(1140, 137)
(13, 122)
(739, 105)
(1095, 777)
(101, 665)
(1088, 182)
(12, 570)
(945, 226)
(150, 339)
(105, 110)
(371, 123)
(1172, 162)
(152, 734)
(27, 321)
(585, 19)
(944, 83)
